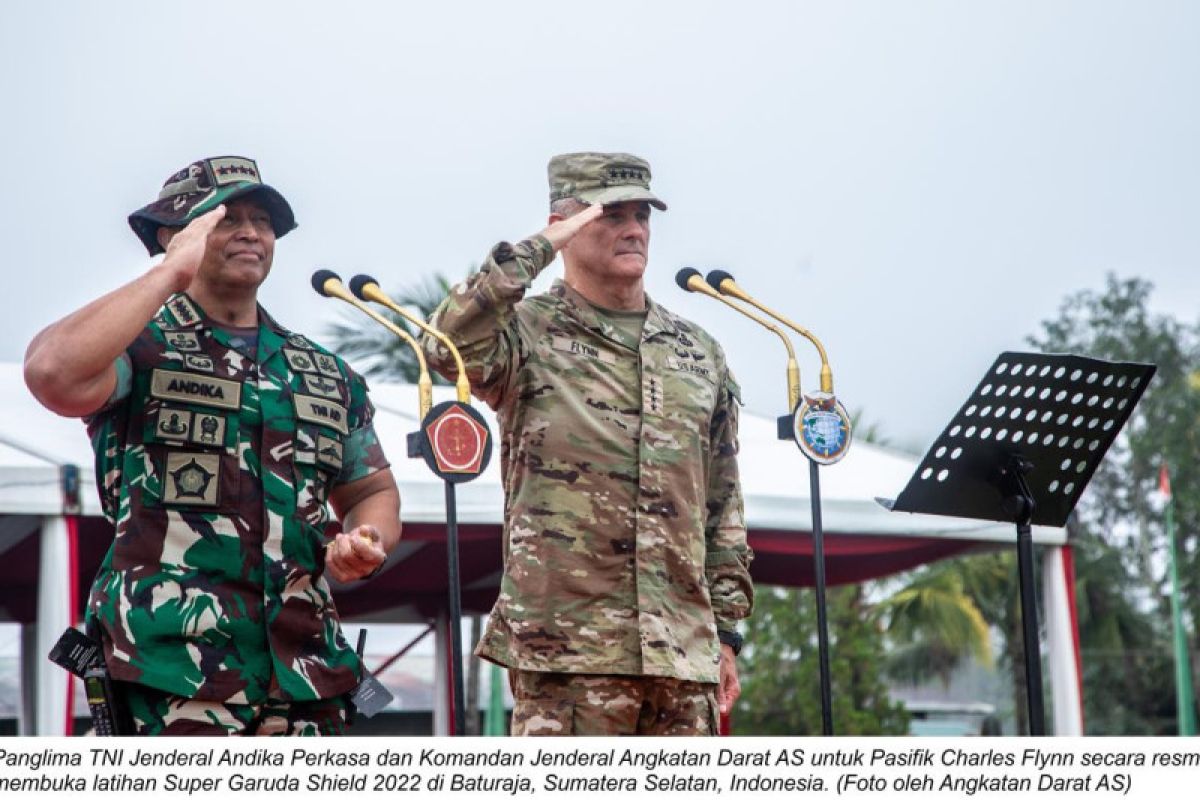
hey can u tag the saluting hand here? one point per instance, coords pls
(354, 555)
(561, 232)
(185, 251)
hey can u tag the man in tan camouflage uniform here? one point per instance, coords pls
(219, 438)
(625, 548)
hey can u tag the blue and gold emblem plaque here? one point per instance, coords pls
(821, 428)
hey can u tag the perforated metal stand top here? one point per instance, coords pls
(1021, 450)
(1058, 414)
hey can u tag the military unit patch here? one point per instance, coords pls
(322, 412)
(328, 365)
(300, 360)
(199, 389)
(329, 452)
(209, 429)
(192, 479)
(186, 341)
(322, 387)
(202, 363)
(173, 424)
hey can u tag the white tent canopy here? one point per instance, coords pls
(35, 443)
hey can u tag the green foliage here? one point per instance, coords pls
(1116, 324)
(1128, 672)
(363, 340)
(933, 620)
(934, 624)
(1118, 531)
(781, 676)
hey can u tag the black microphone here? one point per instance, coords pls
(322, 277)
(684, 277)
(358, 282)
(716, 277)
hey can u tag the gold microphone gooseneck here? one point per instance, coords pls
(367, 288)
(723, 282)
(690, 280)
(327, 283)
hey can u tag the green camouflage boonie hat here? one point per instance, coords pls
(601, 178)
(202, 186)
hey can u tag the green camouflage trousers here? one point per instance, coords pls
(159, 713)
(565, 704)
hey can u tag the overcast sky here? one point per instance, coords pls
(919, 183)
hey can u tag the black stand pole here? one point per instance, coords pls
(455, 611)
(455, 443)
(814, 482)
(1020, 500)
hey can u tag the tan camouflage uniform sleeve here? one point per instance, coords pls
(478, 317)
(727, 561)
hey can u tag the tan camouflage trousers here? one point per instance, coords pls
(563, 704)
(159, 713)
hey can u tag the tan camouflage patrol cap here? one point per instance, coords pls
(601, 178)
(202, 186)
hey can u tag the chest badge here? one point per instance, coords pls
(198, 362)
(174, 424)
(186, 341)
(328, 366)
(192, 479)
(300, 360)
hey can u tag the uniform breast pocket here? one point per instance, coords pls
(189, 458)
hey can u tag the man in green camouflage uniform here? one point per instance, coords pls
(219, 437)
(625, 547)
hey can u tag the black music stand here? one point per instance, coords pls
(1022, 449)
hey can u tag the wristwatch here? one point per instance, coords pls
(733, 639)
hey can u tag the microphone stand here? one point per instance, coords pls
(456, 445)
(821, 408)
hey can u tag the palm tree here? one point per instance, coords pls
(935, 623)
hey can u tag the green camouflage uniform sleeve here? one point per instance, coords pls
(124, 368)
(478, 317)
(728, 557)
(363, 455)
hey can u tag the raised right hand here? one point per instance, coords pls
(185, 251)
(563, 231)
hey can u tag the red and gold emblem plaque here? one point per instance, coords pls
(458, 441)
